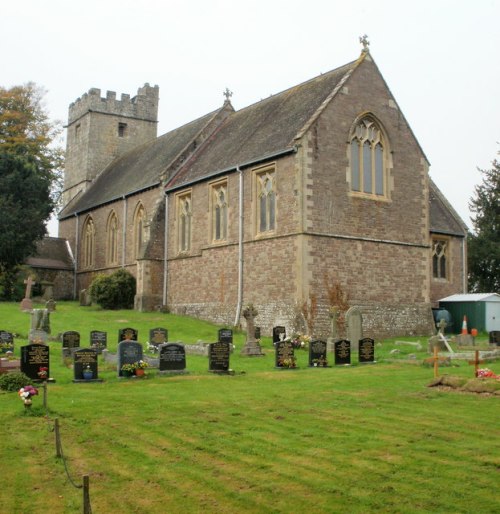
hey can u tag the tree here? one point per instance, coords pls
(484, 243)
(30, 177)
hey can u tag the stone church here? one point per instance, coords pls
(318, 188)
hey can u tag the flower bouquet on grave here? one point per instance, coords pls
(140, 366)
(299, 341)
(487, 373)
(287, 362)
(320, 363)
(26, 393)
(43, 373)
(128, 370)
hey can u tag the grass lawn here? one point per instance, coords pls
(356, 439)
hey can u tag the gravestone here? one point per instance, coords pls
(98, 340)
(26, 303)
(40, 320)
(85, 298)
(279, 333)
(218, 357)
(158, 336)
(38, 336)
(366, 350)
(354, 322)
(85, 359)
(172, 357)
(342, 352)
(251, 348)
(317, 354)
(225, 335)
(70, 343)
(257, 333)
(6, 341)
(284, 354)
(50, 305)
(494, 337)
(127, 334)
(128, 353)
(33, 358)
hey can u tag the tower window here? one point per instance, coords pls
(122, 129)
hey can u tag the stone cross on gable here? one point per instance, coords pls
(228, 94)
(364, 41)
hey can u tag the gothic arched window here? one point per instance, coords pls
(184, 214)
(266, 205)
(219, 212)
(112, 239)
(88, 247)
(139, 228)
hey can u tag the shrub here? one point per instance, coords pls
(14, 381)
(115, 291)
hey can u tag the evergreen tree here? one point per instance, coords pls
(484, 243)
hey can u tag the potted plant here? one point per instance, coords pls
(26, 393)
(140, 367)
(127, 370)
(87, 373)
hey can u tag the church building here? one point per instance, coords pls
(318, 189)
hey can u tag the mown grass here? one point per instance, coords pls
(348, 439)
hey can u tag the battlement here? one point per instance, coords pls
(143, 106)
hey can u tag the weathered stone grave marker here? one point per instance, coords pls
(34, 359)
(6, 341)
(366, 350)
(70, 343)
(218, 357)
(251, 348)
(342, 352)
(85, 366)
(354, 322)
(172, 358)
(317, 354)
(128, 353)
(98, 340)
(26, 303)
(494, 337)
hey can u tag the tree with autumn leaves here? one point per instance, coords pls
(30, 177)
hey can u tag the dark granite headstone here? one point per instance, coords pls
(257, 333)
(172, 357)
(98, 340)
(85, 359)
(284, 354)
(34, 357)
(158, 336)
(226, 335)
(128, 353)
(70, 342)
(342, 352)
(366, 350)
(317, 354)
(494, 337)
(6, 341)
(218, 357)
(127, 334)
(279, 333)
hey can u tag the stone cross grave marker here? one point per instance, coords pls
(6, 341)
(85, 360)
(98, 340)
(476, 362)
(34, 357)
(128, 353)
(172, 357)
(26, 303)
(342, 352)
(218, 357)
(252, 346)
(317, 354)
(366, 350)
(284, 355)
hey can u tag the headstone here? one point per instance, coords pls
(98, 340)
(257, 333)
(172, 357)
(34, 357)
(494, 337)
(50, 305)
(127, 334)
(436, 341)
(85, 299)
(366, 350)
(70, 343)
(218, 357)
(6, 341)
(279, 333)
(40, 320)
(85, 359)
(284, 355)
(342, 352)
(37, 336)
(158, 336)
(26, 303)
(128, 353)
(225, 335)
(317, 354)
(354, 322)
(251, 348)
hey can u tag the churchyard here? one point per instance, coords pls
(233, 433)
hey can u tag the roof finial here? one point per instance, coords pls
(364, 41)
(228, 94)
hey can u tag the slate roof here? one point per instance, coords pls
(262, 129)
(53, 253)
(138, 169)
(443, 218)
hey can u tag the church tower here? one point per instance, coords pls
(101, 129)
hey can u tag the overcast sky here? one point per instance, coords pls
(440, 58)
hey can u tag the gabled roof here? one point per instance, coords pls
(443, 217)
(51, 253)
(265, 128)
(139, 169)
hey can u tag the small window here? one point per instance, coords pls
(266, 201)
(77, 132)
(219, 212)
(139, 229)
(439, 258)
(184, 216)
(122, 129)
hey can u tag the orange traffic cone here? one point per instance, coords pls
(464, 326)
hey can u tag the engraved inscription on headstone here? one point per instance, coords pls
(33, 358)
(127, 334)
(6, 341)
(85, 361)
(218, 357)
(366, 350)
(226, 335)
(157, 336)
(342, 352)
(128, 353)
(70, 342)
(172, 357)
(317, 354)
(98, 340)
(284, 354)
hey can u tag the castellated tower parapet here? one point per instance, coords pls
(102, 129)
